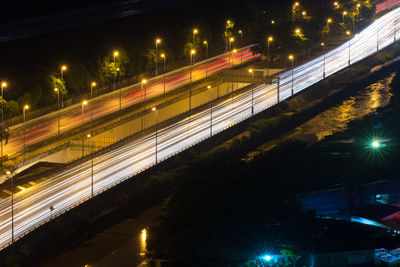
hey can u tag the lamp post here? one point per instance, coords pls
(252, 92)
(155, 109)
(93, 84)
(158, 41)
(63, 68)
(241, 45)
(192, 53)
(84, 103)
(3, 85)
(209, 87)
(115, 54)
(348, 33)
(92, 183)
(195, 31)
(323, 71)
(344, 14)
(58, 109)
(143, 83)
(12, 204)
(291, 57)
(270, 39)
(164, 58)
(206, 46)
(231, 40)
(24, 109)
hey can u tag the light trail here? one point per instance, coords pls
(73, 186)
(43, 127)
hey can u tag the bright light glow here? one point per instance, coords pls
(304, 13)
(8, 172)
(116, 53)
(117, 69)
(272, 21)
(322, 44)
(3, 84)
(154, 109)
(63, 67)
(84, 102)
(56, 89)
(291, 57)
(231, 39)
(195, 31)
(163, 55)
(209, 87)
(205, 42)
(234, 51)
(329, 20)
(344, 13)
(358, 5)
(144, 235)
(375, 144)
(158, 41)
(267, 257)
(94, 84)
(228, 22)
(296, 4)
(193, 52)
(89, 135)
(348, 32)
(250, 70)
(297, 31)
(270, 39)
(144, 81)
(336, 4)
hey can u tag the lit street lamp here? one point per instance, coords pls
(3, 85)
(58, 109)
(115, 54)
(84, 103)
(206, 45)
(344, 14)
(323, 72)
(241, 45)
(155, 109)
(63, 68)
(270, 39)
(252, 92)
(291, 57)
(158, 41)
(195, 31)
(348, 33)
(164, 58)
(231, 40)
(192, 53)
(93, 84)
(24, 109)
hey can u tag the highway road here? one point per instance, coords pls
(73, 186)
(40, 128)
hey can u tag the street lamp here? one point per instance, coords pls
(241, 45)
(251, 71)
(209, 87)
(329, 21)
(206, 46)
(84, 103)
(336, 4)
(272, 22)
(192, 53)
(158, 41)
(234, 51)
(164, 58)
(344, 14)
(348, 33)
(58, 109)
(92, 183)
(12, 204)
(93, 84)
(323, 72)
(291, 57)
(24, 109)
(3, 85)
(115, 54)
(195, 31)
(270, 39)
(155, 109)
(143, 83)
(231, 40)
(63, 68)
(304, 14)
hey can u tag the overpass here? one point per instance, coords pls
(62, 191)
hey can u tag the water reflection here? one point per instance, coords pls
(337, 118)
(143, 243)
